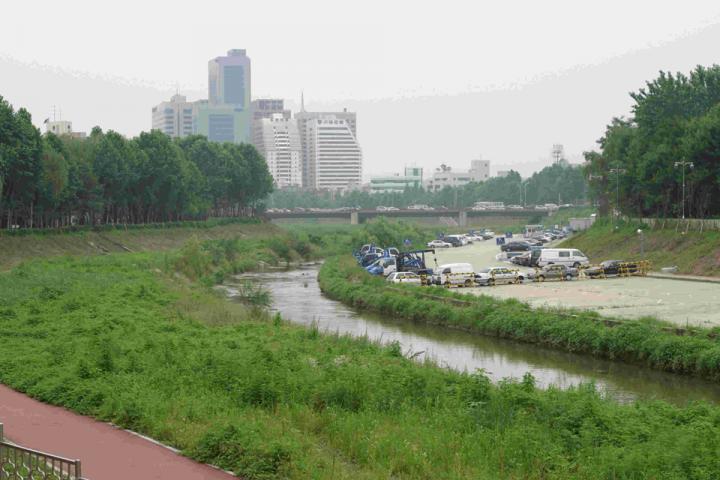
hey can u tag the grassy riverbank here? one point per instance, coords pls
(16, 247)
(694, 253)
(646, 341)
(131, 338)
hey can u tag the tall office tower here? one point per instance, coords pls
(332, 158)
(267, 107)
(173, 118)
(227, 114)
(306, 125)
(278, 140)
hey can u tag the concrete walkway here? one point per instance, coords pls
(106, 452)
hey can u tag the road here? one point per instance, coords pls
(683, 303)
(106, 452)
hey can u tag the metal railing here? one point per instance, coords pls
(20, 463)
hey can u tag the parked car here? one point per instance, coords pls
(535, 242)
(461, 238)
(382, 266)
(563, 256)
(454, 274)
(404, 277)
(494, 275)
(611, 267)
(553, 272)
(516, 246)
(439, 244)
(454, 241)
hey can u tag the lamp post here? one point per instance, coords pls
(683, 164)
(523, 186)
(642, 243)
(617, 172)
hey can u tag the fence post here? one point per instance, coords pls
(2, 438)
(78, 469)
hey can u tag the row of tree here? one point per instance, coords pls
(55, 181)
(672, 137)
(558, 183)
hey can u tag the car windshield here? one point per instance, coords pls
(484, 270)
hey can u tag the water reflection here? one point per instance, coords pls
(296, 295)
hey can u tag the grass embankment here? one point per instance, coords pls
(126, 338)
(18, 246)
(694, 253)
(644, 341)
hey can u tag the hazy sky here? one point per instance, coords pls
(411, 67)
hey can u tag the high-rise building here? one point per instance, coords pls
(58, 127)
(278, 140)
(227, 114)
(331, 154)
(174, 118)
(267, 107)
(397, 183)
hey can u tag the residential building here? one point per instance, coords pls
(503, 173)
(331, 154)
(413, 177)
(278, 140)
(313, 160)
(446, 177)
(267, 107)
(174, 118)
(227, 114)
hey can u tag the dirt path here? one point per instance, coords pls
(106, 452)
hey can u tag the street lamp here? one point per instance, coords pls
(524, 189)
(683, 164)
(642, 243)
(617, 172)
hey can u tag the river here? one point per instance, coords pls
(297, 297)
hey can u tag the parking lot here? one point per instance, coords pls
(680, 302)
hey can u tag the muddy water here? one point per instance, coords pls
(296, 295)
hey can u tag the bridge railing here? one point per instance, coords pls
(20, 463)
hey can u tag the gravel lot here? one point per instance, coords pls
(680, 302)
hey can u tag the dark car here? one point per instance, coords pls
(454, 241)
(612, 267)
(522, 246)
(554, 272)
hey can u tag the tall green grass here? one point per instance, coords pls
(648, 342)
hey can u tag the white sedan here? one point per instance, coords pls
(404, 277)
(439, 244)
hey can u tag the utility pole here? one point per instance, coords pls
(617, 172)
(683, 164)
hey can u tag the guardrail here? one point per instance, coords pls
(20, 463)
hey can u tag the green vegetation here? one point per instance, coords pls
(19, 246)
(127, 338)
(646, 341)
(695, 253)
(51, 182)
(556, 183)
(675, 118)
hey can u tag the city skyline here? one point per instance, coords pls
(567, 100)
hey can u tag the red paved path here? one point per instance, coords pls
(106, 452)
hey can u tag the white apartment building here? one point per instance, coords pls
(331, 154)
(174, 118)
(278, 140)
(441, 178)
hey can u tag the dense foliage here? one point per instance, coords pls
(676, 118)
(51, 181)
(646, 341)
(558, 183)
(113, 337)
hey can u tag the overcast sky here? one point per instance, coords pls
(432, 82)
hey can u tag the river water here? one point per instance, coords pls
(297, 297)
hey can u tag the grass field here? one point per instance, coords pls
(693, 253)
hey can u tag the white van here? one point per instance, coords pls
(569, 257)
(454, 274)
